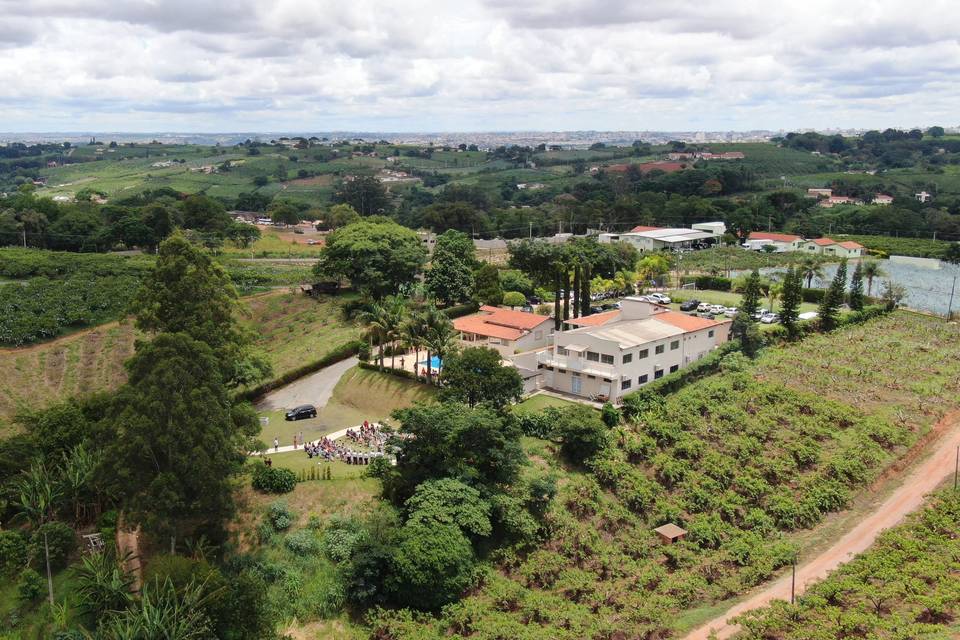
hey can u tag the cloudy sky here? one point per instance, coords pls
(476, 65)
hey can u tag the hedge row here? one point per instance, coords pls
(459, 310)
(713, 283)
(400, 373)
(344, 351)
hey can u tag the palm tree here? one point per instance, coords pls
(378, 325)
(810, 268)
(438, 337)
(870, 270)
(412, 332)
(396, 308)
(38, 497)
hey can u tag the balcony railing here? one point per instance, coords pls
(580, 365)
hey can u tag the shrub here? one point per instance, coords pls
(280, 516)
(61, 541)
(714, 283)
(303, 542)
(31, 586)
(432, 566)
(341, 538)
(271, 480)
(13, 553)
(610, 415)
(460, 310)
(535, 424)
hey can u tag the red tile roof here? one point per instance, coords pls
(824, 242)
(594, 320)
(641, 228)
(684, 321)
(495, 322)
(778, 237)
(850, 244)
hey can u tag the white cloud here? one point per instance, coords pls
(476, 64)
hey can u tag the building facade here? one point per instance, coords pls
(505, 330)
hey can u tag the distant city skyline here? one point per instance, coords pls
(477, 66)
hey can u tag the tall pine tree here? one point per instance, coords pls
(856, 289)
(750, 302)
(833, 298)
(790, 300)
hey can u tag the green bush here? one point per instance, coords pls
(303, 542)
(432, 566)
(712, 283)
(31, 587)
(13, 553)
(610, 415)
(813, 295)
(342, 352)
(340, 538)
(61, 541)
(273, 480)
(280, 515)
(460, 310)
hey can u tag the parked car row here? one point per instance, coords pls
(658, 298)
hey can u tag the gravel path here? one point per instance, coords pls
(920, 481)
(314, 389)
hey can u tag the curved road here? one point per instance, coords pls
(315, 388)
(920, 481)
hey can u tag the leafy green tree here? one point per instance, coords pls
(581, 432)
(378, 256)
(178, 440)
(204, 214)
(790, 300)
(243, 235)
(450, 278)
(284, 213)
(829, 309)
(936, 132)
(187, 292)
(365, 194)
(744, 330)
(474, 445)
(340, 215)
(514, 299)
(951, 255)
(856, 288)
(810, 268)
(432, 566)
(438, 336)
(487, 289)
(449, 501)
(476, 375)
(750, 301)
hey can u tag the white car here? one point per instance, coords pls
(659, 298)
(703, 307)
(769, 318)
(717, 309)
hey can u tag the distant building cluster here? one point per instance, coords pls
(645, 238)
(706, 155)
(826, 199)
(782, 242)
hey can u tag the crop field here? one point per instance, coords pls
(725, 259)
(907, 585)
(904, 367)
(740, 460)
(907, 180)
(767, 160)
(920, 247)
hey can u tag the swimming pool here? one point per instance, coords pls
(435, 363)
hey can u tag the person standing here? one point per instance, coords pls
(276, 445)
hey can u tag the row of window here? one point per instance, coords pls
(593, 356)
(642, 380)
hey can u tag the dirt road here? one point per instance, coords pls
(314, 389)
(909, 497)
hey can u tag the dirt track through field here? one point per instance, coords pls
(920, 481)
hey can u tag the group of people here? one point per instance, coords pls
(369, 435)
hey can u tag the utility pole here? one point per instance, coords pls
(793, 581)
(24, 237)
(530, 233)
(953, 287)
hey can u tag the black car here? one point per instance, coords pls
(689, 305)
(302, 412)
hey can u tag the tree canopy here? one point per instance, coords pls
(476, 375)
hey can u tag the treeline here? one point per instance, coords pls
(890, 148)
(142, 221)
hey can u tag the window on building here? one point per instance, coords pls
(562, 352)
(658, 374)
(627, 358)
(643, 379)
(625, 384)
(643, 354)
(659, 349)
(575, 374)
(674, 345)
(606, 359)
(674, 368)
(592, 356)
(710, 333)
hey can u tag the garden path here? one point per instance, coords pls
(924, 478)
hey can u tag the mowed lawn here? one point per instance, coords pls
(360, 395)
(540, 402)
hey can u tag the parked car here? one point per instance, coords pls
(717, 309)
(770, 318)
(302, 412)
(659, 298)
(298, 231)
(689, 305)
(312, 241)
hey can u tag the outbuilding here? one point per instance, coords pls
(670, 533)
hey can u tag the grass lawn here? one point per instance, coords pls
(298, 461)
(541, 401)
(359, 395)
(294, 329)
(280, 243)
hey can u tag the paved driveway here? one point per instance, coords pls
(314, 389)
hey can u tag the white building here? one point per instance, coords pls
(614, 353)
(757, 240)
(716, 229)
(830, 247)
(655, 239)
(505, 330)
(883, 199)
(923, 196)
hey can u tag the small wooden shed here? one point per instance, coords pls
(670, 533)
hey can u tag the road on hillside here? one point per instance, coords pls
(919, 482)
(315, 388)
